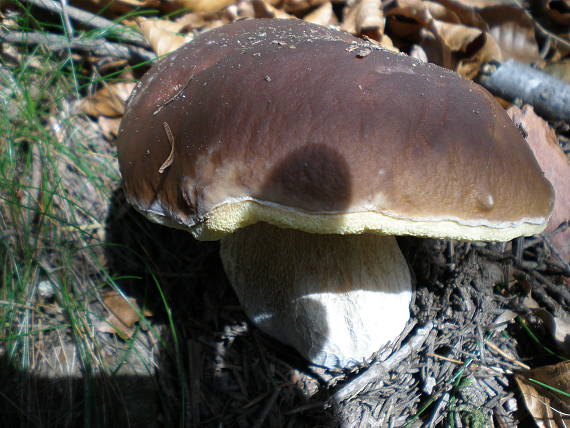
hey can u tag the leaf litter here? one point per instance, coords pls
(234, 375)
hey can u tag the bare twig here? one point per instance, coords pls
(441, 357)
(91, 20)
(379, 370)
(555, 251)
(435, 414)
(96, 47)
(66, 21)
(541, 28)
(505, 355)
(17, 305)
(558, 291)
(512, 80)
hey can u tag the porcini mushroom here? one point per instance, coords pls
(305, 150)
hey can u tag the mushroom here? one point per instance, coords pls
(305, 151)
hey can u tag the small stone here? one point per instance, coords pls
(429, 384)
(510, 405)
(45, 289)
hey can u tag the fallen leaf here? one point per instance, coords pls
(557, 10)
(513, 30)
(423, 11)
(323, 15)
(109, 126)
(265, 10)
(556, 166)
(298, 6)
(559, 328)
(480, 51)
(560, 69)
(108, 101)
(203, 6)
(456, 36)
(240, 10)
(387, 43)
(162, 35)
(548, 407)
(123, 315)
(464, 49)
(467, 10)
(364, 17)
(441, 32)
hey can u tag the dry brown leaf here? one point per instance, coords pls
(542, 141)
(387, 43)
(480, 51)
(506, 22)
(203, 6)
(109, 126)
(186, 23)
(266, 10)
(442, 36)
(162, 34)
(323, 15)
(423, 11)
(364, 17)
(548, 408)
(239, 11)
(513, 31)
(123, 315)
(559, 328)
(403, 29)
(467, 12)
(298, 6)
(108, 101)
(455, 36)
(560, 69)
(463, 49)
(557, 10)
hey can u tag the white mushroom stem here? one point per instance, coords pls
(335, 298)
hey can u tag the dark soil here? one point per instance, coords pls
(236, 376)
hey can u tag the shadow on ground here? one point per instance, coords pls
(223, 372)
(209, 368)
(206, 368)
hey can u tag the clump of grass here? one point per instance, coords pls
(57, 178)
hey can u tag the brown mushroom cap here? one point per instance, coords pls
(300, 126)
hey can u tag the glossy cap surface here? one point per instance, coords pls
(301, 126)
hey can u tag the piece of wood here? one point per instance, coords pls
(378, 371)
(91, 20)
(57, 42)
(512, 80)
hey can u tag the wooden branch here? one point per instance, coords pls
(512, 80)
(66, 21)
(57, 42)
(92, 20)
(380, 370)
